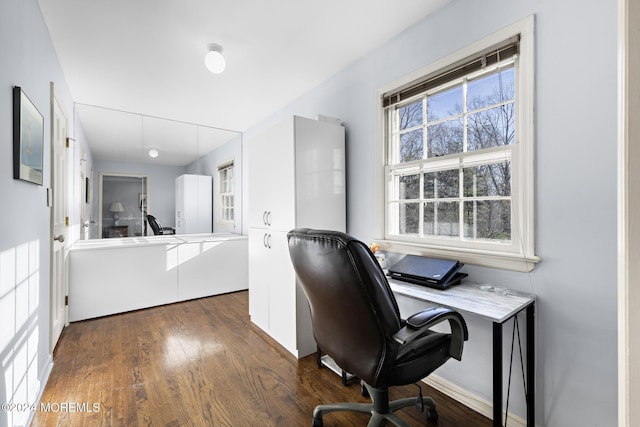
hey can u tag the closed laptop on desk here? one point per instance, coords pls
(432, 272)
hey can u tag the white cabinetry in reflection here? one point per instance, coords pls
(194, 206)
(296, 179)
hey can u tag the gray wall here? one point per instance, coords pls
(28, 60)
(575, 102)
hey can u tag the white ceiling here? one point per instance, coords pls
(147, 57)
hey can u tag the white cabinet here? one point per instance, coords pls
(108, 276)
(194, 208)
(296, 179)
(272, 304)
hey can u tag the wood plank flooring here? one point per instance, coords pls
(200, 363)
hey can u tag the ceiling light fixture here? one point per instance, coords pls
(214, 60)
(153, 153)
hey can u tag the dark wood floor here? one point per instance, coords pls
(200, 363)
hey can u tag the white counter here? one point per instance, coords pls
(108, 276)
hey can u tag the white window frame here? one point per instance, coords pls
(224, 196)
(519, 255)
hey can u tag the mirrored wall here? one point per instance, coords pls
(135, 160)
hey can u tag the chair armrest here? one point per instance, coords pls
(419, 324)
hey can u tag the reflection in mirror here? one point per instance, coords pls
(121, 144)
(123, 206)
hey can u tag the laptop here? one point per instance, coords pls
(432, 272)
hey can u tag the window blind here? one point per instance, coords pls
(476, 62)
(225, 165)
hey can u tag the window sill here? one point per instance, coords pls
(501, 260)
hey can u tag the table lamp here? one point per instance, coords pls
(116, 208)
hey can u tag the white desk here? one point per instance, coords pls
(469, 297)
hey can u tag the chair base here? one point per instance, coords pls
(381, 410)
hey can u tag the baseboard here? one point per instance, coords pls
(44, 378)
(470, 400)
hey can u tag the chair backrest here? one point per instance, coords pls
(353, 311)
(154, 224)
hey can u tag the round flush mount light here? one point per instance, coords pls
(214, 60)
(153, 153)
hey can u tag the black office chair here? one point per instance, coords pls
(157, 229)
(356, 321)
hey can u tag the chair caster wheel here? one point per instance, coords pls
(432, 414)
(317, 422)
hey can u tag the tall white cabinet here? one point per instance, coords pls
(194, 208)
(296, 179)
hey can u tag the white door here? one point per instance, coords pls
(59, 227)
(259, 271)
(271, 178)
(282, 291)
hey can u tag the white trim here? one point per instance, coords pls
(485, 258)
(523, 195)
(628, 212)
(100, 189)
(470, 400)
(219, 224)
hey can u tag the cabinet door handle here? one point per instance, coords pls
(269, 218)
(269, 241)
(264, 217)
(264, 240)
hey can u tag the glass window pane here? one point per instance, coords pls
(429, 186)
(445, 138)
(409, 187)
(410, 115)
(409, 214)
(491, 128)
(441, 184)
(491, 90)
(488, 180)
(411, 146)
(489, 219)
(441, 219)
(448, 183)
(444, 104)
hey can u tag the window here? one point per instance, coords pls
(225, 194)
(459, 157)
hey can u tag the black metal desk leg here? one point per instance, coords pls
(497, 374)
(531, 367)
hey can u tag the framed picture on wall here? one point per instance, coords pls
(28, 138)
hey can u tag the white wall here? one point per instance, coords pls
(28, 60)
(575, 128)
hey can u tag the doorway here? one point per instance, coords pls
(123, 205)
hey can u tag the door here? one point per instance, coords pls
(59, 221)
(258, 277)
(282, 291)
(123, 205)
(271, 178)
